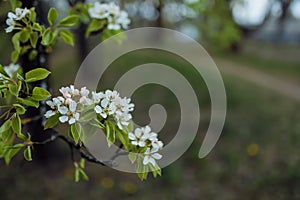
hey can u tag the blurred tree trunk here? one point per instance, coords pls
(35, 126)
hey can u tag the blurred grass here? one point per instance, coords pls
(255, 158)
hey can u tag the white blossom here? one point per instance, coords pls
(84, 97)
(11, 69)
(97, 96)
(106, 108)
(150, 156)
(19, 14)
(69, 114)
(11, 25)
(122, 119)
(115, 17)
(138, 138)
(99, 11)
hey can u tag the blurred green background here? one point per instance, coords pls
(255, 45)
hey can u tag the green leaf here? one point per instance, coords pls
(110, 133)
(83, 174)
(24, 36)
(76, 132)
(20, 109)
(97, 123)
(36, 75)
(47, 37)
(15, 4)
(33, 39)
(37, 27)
(141, 169)
(11, 152)
(52, 121)
(14, 56)
(13, 89)
(132, 156)
(67, 36)
(95, 25)
(3, 72)
(88, 116)
(155, 170)
(16, 42)
(77, 174)
(27, 154)
(33, 54)
(28, 102)
(82, 163)
(52, 16)
(5, 126)
(123, 137)
(69, 21)
(32, 15)
(40, 94)
(16, 124)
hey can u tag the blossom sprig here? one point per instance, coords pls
(147, 145)
(110, 112)
(115, 17)
(13, 18)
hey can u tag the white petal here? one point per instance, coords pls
(142, 143)
(63, 119)
(152, 161)
(131, 136)
(157, 156)
(72, 121)
(98, 109)
(49, 113)
(63, 110)
(73, 106)
(134, 143)
(146, 160)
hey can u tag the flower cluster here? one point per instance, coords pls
(144, 137)
(19, 14)
(107, 104)
(111, 104)
(116, 18)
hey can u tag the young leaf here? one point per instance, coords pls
(16, 42)
(24, 36)
(77, 174)
(16, 124)
(86, 117)
(83, 174)
(13, 89)
(69, 21)
(36, 75)
(40, 94)
(28, 102)
(67, 36)
(47, 37)
(37, 27)
(132, 157)
(3, 72)
(33, 39)
(95, 25)
(20, 109)
(52, 121)
(75, 131)
(14, 56)
(52, 16)
(27, 154)
(33, 54)
(15, 4)
(12, 152)
(110, 133)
